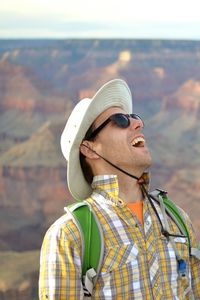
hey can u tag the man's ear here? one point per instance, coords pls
(86, 148)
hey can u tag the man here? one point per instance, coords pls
(144, 251)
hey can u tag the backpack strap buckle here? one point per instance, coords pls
(161, 192)
(89, 280)
(196, 252)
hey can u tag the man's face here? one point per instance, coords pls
(124, 147)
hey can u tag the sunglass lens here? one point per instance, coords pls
(136, 117)
(121, 120)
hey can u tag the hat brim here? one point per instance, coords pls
(114, 93)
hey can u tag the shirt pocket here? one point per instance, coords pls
(120, 267)
(116, 257)
(183, 250)
(184, 283)
(181, 286)
(182, 246)
(167, 254)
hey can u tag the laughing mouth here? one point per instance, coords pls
(138, 142)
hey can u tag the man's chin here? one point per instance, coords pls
(147, 164)
(148, 161)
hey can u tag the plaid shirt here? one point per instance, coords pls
(139, 263)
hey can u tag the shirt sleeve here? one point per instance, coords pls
(195, 262)
(60, 263)
(195, 268)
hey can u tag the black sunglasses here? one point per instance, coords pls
(121, 120)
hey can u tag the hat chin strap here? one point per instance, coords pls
(110, 163)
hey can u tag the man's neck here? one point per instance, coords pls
(129, 189)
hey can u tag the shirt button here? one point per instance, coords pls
(156, 285)
(120, 202)
(142, 250)
(164, 239)
(147, 222)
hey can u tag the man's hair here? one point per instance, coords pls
(87, 170)
(85, 166)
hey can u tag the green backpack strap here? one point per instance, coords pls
(176, 215)
(92, 239)
(170, 206)
(174, 212)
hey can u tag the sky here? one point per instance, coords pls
(143, 19)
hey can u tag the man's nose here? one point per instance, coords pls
(136, 124)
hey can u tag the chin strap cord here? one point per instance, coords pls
(110, 163)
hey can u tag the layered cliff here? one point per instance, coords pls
(33, 187)
(19, 275)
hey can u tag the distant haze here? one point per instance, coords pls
(100, 19)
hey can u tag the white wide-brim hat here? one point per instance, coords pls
(114, 93)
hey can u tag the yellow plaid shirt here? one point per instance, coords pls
(138, 263)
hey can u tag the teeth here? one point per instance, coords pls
(137, 140)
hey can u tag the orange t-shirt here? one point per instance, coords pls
(137, 209)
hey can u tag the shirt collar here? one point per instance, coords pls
(108, 185)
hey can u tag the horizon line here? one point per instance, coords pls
(103, 38)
